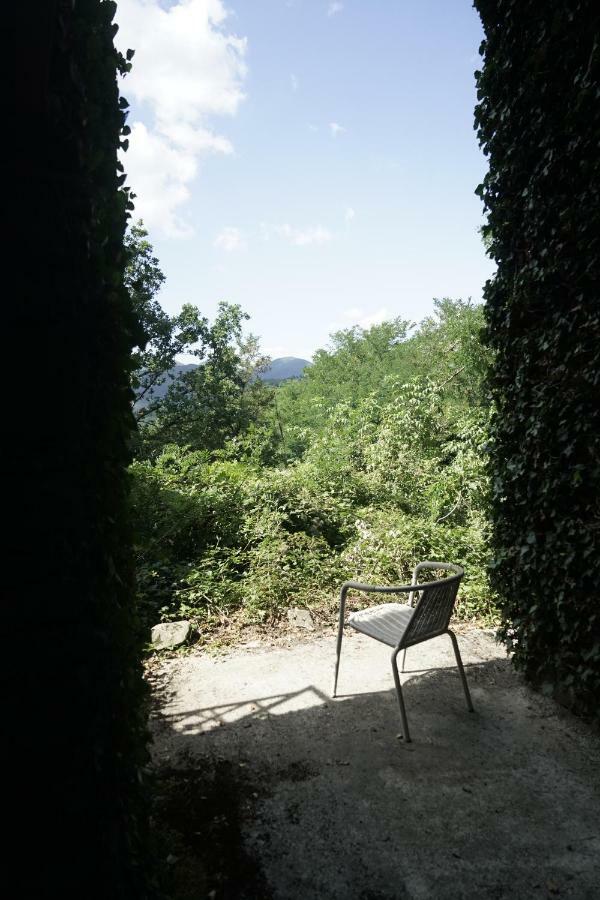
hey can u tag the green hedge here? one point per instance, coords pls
(77, 730)
(538, 120)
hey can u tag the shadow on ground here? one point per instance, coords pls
(293, 795)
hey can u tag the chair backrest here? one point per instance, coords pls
(434, 608)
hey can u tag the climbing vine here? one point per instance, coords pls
(538, 121)
(73, 577)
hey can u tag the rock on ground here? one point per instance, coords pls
(169, 635)
(300, 618)
(324, 801)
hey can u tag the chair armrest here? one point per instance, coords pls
(398, 588)
(376, 588)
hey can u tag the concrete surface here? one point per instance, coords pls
(502, 803)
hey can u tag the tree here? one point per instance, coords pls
(445, 348)
(221, 397)
(355, 364)
(160, 338)
(448, 347)
(357, 361)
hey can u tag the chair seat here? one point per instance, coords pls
(386, 623)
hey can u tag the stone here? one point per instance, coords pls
(300, 618)
(169, 635)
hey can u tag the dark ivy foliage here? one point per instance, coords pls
(538, 120)
(80, 723)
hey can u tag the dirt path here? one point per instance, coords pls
(268, 788)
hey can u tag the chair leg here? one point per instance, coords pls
(463, 677)
(405, 731)
(339, 652)
(403, 660)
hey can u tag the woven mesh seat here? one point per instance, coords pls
(386, 623)
(402, 625)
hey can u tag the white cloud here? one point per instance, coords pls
(334, 8)
(230, 239)
(357, 316)
(349, 214)
(186, 69)
(161, 174)
(294, 81)
(336, 129)
(299, 237)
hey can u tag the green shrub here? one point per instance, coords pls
(289, 570)
(384, 482)
(300, 502)
(185, 508)
(210, 587)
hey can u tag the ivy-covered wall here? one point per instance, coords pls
(75, 720)
(538, 120)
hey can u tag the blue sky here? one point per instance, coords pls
(312, 161)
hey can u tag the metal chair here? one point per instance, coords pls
(403, 625)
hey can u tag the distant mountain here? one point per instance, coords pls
(285, 367)
(280, 370)
(161, 389)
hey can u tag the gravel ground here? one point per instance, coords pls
(268, 788)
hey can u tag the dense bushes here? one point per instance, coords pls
(382, 481)
(539, 122)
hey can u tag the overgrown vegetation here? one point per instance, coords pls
(539, 123)
(251, 498)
